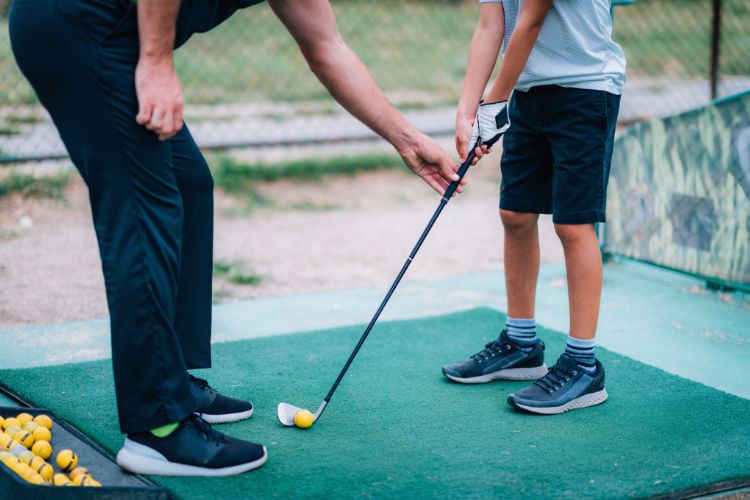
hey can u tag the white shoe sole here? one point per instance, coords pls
(225, 418)
(140, 459)
(592, 399)
(510, 374)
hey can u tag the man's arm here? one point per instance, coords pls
(157, 86)
(519, 48)
(483, 54)
(313, 26)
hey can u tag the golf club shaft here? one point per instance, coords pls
(443, 202)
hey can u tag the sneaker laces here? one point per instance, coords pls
(555, 378)
(491, 349)
(205, 429)
(201, 383)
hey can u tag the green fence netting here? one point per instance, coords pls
(679, 193)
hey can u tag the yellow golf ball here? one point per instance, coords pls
(83, 480)
(44, 450)
(41, 434)
(303, 419)
(44, 469)
(44, 421)
(10, 422)
(13, 429)
(67, 460)
(24, 437)
(77, 472)
(24, 418)
(5, 439)
(9, 460)
(30, 426)
(26, 457)
(60, 479)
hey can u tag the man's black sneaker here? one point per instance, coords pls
(501, 359)
(566, 387)
(193, 449)
(215, 408)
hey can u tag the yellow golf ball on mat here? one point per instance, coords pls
(44, 450)
(303, 419)
(67, 460)
(44, 421)
(30, 426)
(41, 433)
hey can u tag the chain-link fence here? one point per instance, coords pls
(246, 79)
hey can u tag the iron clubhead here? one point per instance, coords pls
(286, 413)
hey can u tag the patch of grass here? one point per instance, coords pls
(22, 119)
(46, 186)
(9, 235)
(246, 279)
(220, 295)
(235, 272)
(309, 206)
(8, 130)
(222, 267)
(234, 176)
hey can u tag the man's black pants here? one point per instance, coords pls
(152, 201)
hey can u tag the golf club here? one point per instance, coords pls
(287, 412)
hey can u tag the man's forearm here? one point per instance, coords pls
(156, 28)
(350, 83)
(519, 48)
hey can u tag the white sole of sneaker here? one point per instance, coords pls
(140, 459)
(510, 374)
(225, 418)
(592, 399)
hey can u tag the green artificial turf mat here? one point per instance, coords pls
(396, 428)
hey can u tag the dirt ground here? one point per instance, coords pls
(292, 237)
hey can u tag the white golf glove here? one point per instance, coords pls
(490, 123)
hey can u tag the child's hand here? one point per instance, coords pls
(464, 138)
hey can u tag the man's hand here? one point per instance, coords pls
(428, 160)
(156, 83)
(490, 123)
(160, 100)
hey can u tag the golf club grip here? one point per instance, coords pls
(461, 172)
(443, 202)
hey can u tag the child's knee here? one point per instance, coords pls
(572, 234)
(518, 221)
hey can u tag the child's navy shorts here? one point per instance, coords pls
(557, 153)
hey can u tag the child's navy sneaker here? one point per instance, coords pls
(501, 359)
(193, 449)
(565, 387)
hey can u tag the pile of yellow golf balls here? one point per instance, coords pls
(25, 447)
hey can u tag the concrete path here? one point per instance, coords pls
(657, 317)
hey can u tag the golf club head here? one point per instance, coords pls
(286, 413)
